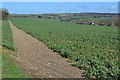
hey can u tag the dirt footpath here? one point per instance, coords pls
(37, 61)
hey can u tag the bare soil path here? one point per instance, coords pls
(37, 61)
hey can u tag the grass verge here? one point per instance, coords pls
(7, 40)
(9, 68)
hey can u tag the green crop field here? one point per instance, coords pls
(9, 69)
(92, 48)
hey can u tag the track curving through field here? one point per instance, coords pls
(37, 61)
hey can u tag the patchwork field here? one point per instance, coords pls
(92, 48)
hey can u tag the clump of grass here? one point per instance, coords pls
(9, 46)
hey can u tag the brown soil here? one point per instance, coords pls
(37, 61)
